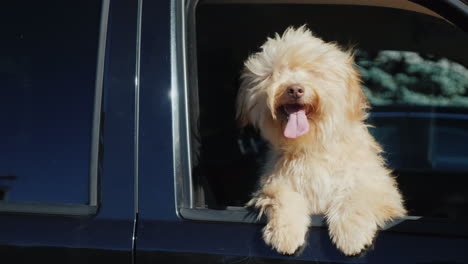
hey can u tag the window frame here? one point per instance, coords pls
(184, 77)
(91, 208)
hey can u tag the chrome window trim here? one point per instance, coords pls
(43, 208)
(180, 108)
(96, 135)
(244, 215)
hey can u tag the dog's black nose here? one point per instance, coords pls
(295, 91)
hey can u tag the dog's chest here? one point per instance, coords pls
(315, 179)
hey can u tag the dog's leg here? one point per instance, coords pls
(288, 217)
(354, 219)
(351, 230)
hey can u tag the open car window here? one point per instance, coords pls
(414, 74)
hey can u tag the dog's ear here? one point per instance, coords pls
(357, 105)
(250, 103)
(246, 95)
(243, 96)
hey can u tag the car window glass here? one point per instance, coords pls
(48, 54)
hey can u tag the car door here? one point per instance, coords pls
(196, 170)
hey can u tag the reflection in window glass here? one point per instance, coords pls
(48, 57)
(420, 114)
(405, 77)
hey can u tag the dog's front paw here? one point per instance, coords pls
(353, 238)
(285, 237)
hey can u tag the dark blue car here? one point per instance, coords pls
(118, 139)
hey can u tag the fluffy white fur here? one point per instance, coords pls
(334, 169)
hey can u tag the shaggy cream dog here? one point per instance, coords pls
(305, 98)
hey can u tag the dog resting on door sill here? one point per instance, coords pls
(304, 97)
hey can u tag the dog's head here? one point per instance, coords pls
(299, 89)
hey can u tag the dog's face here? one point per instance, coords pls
(299, 89)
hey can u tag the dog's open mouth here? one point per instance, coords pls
(297, 124)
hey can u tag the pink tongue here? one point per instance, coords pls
(297, 122)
